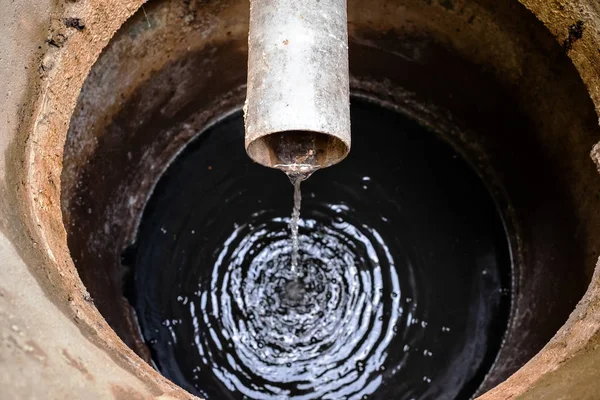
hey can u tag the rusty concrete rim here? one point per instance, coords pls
(64, 71)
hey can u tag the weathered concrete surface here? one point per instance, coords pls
(43, 353)
(568, 367)
(53, 342)
(572, 357)
(575, 379)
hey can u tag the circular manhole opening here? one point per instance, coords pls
(463, 193)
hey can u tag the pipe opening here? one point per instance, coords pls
(297, 147)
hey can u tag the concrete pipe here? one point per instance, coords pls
(99, 98)
(297, 107)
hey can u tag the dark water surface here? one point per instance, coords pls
(401, 290)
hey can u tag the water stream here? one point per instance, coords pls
(296, 174)
(296, 181)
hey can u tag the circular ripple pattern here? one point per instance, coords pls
(318, 328)
(401, 290)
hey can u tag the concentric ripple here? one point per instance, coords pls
(400, 290)
(320, 330)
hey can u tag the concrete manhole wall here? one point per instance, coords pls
(51, 331)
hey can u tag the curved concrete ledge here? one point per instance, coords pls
(568, 366)
(53, 341)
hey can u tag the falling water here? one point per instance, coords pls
(296, 181)
(296, 173)
(299, 157)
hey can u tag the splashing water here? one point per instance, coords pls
(400, 258)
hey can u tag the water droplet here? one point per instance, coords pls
(360, 366)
